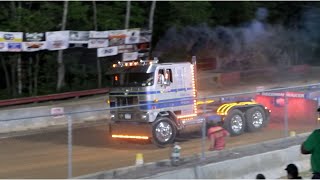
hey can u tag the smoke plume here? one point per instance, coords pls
(256, 44)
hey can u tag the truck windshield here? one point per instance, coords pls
(133, 79)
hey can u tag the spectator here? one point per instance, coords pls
(292, 172)
(216, 136)
(260, 176)
(312, 146)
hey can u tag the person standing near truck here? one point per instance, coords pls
(312, 146)
(216, 136)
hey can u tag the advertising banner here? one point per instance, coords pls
(98, 43)
(98, 39)
(145, 36)
(14, 47)
(117, 37)
(98, 34)
(282, 94)
(143, 55)
(109, 51)
(57, 40)
(11, 36)
(34, 37)
(3, 46)
(126, 48)
(33, 46)
(129, 56)
(133, 36)
(57, 112)
(33, 42)
(11, 41)
(79, 37)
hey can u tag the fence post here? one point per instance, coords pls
(203, 149)
(69, 147)
(285, 114)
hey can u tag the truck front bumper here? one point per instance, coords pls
(130, 130)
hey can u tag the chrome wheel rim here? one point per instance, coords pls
(236, 123)
(163, 132)
(257, 119)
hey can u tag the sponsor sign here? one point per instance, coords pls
(282, 94)
(98, 43)
(312, 95)
(14, 47)
(11, 36)
(10, 41)
(126, 48)
(117, 37)
(33, 42)
(3, 46)
(57, 112)
(34, 37)
(98, 34)
(109, 51)
(143, 55)
(57, 40)
(145, 36)
(79, 37)
(33, 46)
(98, 39)
(130, 56)
(133, 36)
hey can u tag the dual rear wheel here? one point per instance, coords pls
(253, 119)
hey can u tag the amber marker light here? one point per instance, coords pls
(129, 137)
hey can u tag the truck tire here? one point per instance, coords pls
(234, 122)
(163, 131)
(255, 119)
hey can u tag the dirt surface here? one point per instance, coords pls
(45, 155)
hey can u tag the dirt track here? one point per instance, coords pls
(45, 155)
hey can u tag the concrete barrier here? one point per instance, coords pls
(8, 126)
(271, 164)
(239, 162)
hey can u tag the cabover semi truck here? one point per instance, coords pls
(158, 101)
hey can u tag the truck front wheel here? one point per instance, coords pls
(163, 131)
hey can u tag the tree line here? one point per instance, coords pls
(46, 72)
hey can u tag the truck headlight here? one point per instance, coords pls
(144, 116)
(112, 116)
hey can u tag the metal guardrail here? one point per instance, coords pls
(26, 100)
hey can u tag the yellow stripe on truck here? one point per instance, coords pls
(223, 109)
